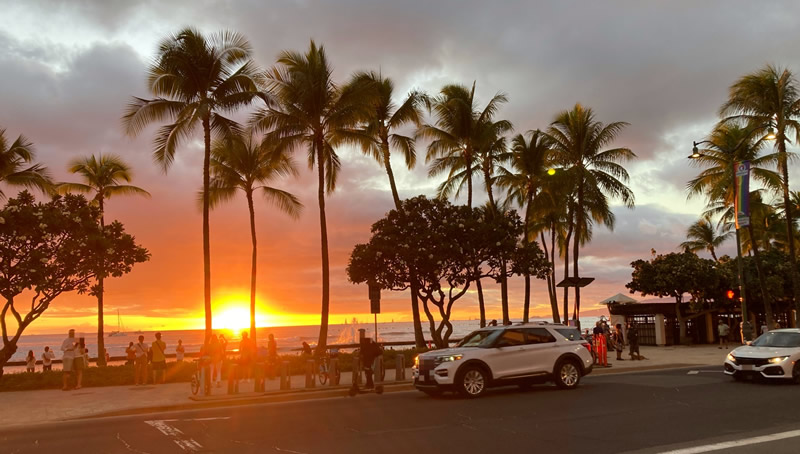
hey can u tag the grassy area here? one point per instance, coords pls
(176, 372)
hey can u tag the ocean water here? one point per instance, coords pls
(289, 338)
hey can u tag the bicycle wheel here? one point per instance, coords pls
(323, 378)
(195, 383)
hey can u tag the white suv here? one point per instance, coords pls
(523, 354)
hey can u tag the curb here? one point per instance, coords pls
(612, 371)
(249, 399)
(289, 392)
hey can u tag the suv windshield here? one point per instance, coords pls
(480, 338)
(777, 339)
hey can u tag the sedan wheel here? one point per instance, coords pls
(472, 383)
(567, 375)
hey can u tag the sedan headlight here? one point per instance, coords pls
(778, 359)
(447, 358)
(731, 358)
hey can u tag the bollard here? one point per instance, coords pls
(258, 377)
(399, 368)
(286, 379)
(311, 379)
(332, 373)
(233, 379)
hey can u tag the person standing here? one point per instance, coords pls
(130, 355)
(723, 330)
(633, 341)
(600, 344)
(619, 341)
(159, 359)
(47, 359)
(30, 362)
(179, 351)
(272, 357)
(69, 346)
(140, 363)
(247, 356)
(79, 361)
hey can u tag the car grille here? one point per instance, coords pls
(426, 367)
(758, 362)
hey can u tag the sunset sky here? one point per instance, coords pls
(69, 68)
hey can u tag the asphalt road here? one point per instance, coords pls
(677, 411)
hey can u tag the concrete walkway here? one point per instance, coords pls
(22, 408)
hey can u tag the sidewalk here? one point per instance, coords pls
(55, 405)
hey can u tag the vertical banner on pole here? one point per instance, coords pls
(742, 195)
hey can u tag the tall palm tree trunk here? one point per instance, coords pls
(468, 163)
(481, 303)
(253, 267)
(101, 343)
(577, 248)
(549, 280)
(504, 292)
(419, 338)
(787, 203)
(553, 289)
(323, 227)
(764, 297)
(526, 304)
(566, 265)
(206, 229)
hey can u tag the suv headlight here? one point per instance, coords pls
(447, 358)
(778, 359)
(416, 361)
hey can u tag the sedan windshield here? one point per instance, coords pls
(480, 338)
(778, 339)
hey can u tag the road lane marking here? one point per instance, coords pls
(736, 443)
(693, 372)
(178, 437)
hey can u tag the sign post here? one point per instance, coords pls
(375, 304)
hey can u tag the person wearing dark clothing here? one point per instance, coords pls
(600, 345)
(619, 341)
(307, 351)
(369, 352)
(633, 340)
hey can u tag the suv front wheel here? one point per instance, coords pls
(567, 374)
(472, 381)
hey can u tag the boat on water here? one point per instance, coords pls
(119, 332)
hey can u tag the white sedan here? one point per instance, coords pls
(775, 354)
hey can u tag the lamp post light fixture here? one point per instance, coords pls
(747, 328)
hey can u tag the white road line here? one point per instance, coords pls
(736, 443)
(178, 437)
(693, 372)
(197, 419)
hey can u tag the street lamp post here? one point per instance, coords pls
(747, 328)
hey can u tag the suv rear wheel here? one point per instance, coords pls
(568, 374)
(472, 381)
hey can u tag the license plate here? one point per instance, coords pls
(747, 367)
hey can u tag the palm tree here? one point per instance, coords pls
(454, 146)
(727, 144)
(105, 176)
(770, 98)
(702, 235)
(240, 164)
(454, 138)
(16, 168)
(380, 135)
(312, 111)
(579, 141)
(524, 182)
(195, 79)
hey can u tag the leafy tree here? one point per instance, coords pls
(195, 80)
(381, 135)
(102, 175)
(240, 164)
(770, 98)
(311, 111)
(441, 244)
(17, 168)
(49, 248)
(675, 275)
(578, 142)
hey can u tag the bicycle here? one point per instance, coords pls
(325, 373)
(197, 379)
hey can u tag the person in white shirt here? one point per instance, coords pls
(140, 372)
(69, 347)
(179, 351)
(47, 358)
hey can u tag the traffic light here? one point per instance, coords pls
(730, 294)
